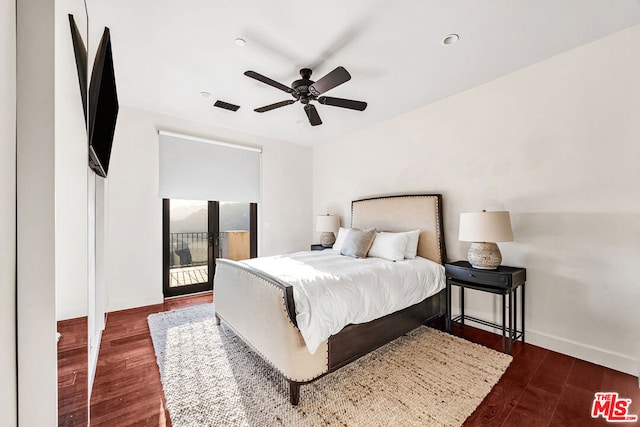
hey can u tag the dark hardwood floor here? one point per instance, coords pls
(545, 388)
(72, 372)
(540, 388)
(127, 389)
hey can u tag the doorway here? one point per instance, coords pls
(196, 233)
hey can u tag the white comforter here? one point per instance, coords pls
(331, 290)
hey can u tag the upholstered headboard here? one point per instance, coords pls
(404, 213)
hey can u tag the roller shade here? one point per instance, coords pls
(195, 168)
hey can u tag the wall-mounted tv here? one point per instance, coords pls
(103, 107)
(80, 52)
(101, 95)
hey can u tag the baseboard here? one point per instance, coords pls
(125, 304)
(599, 356)
(188, 295)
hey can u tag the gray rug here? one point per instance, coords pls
(211, 378)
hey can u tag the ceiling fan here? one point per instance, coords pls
(306, 90)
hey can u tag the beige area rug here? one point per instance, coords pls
(211, 378)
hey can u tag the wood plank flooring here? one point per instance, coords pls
(72, 372)
(545, 388)
(540, 388)
(183, 276)
(127, 389)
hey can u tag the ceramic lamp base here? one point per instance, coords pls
(485, 256)
(327, 239)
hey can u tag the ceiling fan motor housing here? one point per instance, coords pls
(301, 86)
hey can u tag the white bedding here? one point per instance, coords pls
(331, 290)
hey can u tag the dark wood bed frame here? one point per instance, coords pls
(356, 340)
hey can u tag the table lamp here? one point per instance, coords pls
(484, 229)
(328, 225)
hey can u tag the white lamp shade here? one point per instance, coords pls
(485, 227)
(327, 223)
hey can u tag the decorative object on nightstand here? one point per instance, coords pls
(328, 225)
(484, 229)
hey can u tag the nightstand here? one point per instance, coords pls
(503, 281)
(319, 247)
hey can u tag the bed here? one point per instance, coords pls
(259, 307)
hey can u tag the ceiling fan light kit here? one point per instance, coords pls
(306, 90)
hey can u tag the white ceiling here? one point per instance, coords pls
(166, 52)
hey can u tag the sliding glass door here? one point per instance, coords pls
(195, 233)
(237, 231)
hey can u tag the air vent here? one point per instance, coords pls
(226, 105)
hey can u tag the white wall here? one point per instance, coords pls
(37, 379)
(558, 145)
(70, 169)
(8, 395)
(134, 217)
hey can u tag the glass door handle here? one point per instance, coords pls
(213, 237)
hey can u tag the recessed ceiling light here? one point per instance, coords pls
(205, 94)
(240, 42)
(450, 39)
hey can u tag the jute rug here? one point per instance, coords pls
(211, 378)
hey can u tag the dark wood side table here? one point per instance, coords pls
(503, 281)
(319, 247)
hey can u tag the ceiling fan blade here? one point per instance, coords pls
(274, 106)
(312, 113)
(331, 80)
(344, 103)
(268, 81)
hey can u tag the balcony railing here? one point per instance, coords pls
(188, 249)
(191, 249)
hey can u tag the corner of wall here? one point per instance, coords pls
(8, 385)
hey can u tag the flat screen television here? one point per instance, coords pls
(80, 52)
(103, 107)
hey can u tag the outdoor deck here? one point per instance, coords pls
(191, 248)
(183, 276)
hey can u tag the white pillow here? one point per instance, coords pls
(411, 250)
(342, 234)
(389, 246)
